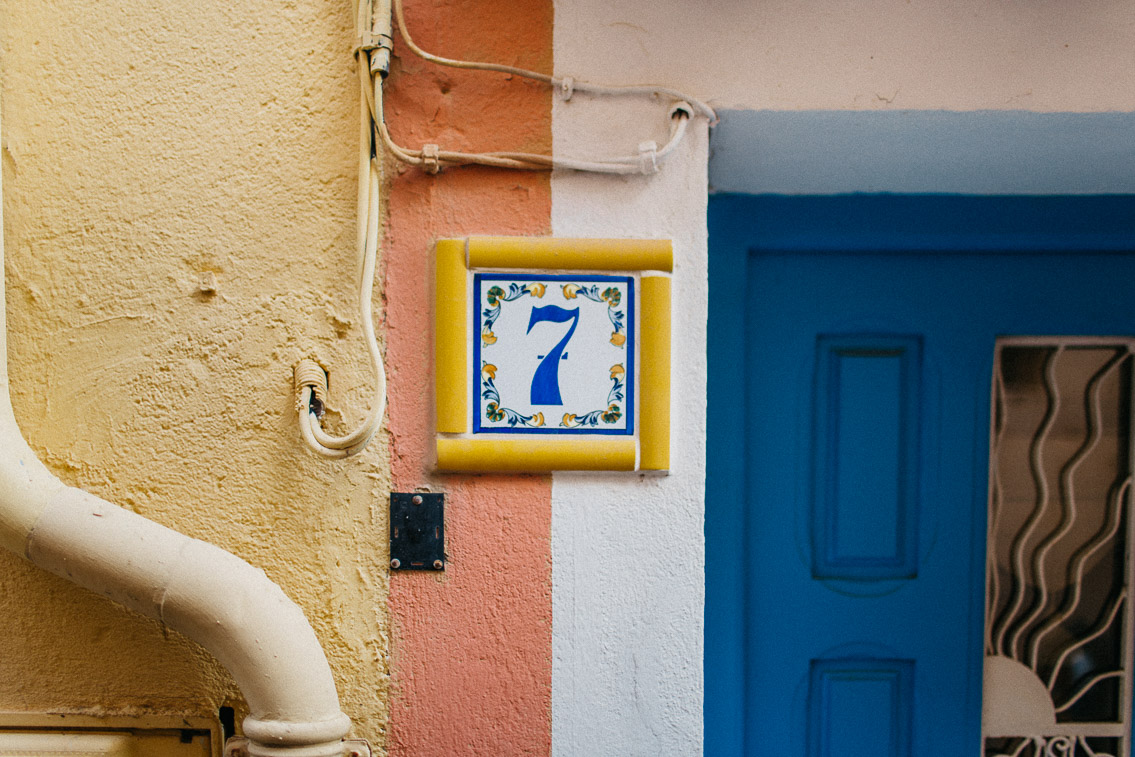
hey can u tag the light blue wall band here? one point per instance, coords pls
(912, 151)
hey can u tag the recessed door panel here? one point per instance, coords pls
(863, 702)
(865, 456)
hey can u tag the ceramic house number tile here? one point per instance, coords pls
(554, 354)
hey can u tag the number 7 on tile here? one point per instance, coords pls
(546, 379)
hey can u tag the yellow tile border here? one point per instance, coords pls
(571, 254)
(451, 342)
(648, 449)
(536, 454)
(654, 373)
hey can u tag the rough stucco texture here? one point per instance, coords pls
(147, 144)
(471, 647)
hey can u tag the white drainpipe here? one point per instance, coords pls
(216, 599)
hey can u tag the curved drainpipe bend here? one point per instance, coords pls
(218, 600)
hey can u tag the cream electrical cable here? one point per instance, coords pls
(567, 84)
(310, 379)
(433, 158)
(373, 59)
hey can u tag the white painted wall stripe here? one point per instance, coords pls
(628, 549)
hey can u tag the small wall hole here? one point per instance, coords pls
(227, 716)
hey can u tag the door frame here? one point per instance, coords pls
(740, 223)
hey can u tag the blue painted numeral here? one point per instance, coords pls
(546, 380)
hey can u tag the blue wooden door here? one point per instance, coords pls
(851, 349)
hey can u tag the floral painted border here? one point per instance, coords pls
(611, 414)
(494, 410)
(495, 297)
(612, 296)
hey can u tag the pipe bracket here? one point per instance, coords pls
(240, 746)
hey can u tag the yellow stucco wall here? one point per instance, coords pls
(145, 144)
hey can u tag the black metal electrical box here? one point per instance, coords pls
(417, 531)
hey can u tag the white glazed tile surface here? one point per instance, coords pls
(594, 369)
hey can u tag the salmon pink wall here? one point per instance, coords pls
(471, 647)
